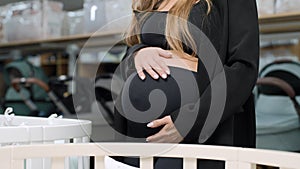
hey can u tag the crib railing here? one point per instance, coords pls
(12, 157)
(21, 130)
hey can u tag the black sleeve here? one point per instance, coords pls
(240, 70)
(241, 67)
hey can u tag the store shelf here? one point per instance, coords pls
(272, 27)
(107, 38)
(280, 23)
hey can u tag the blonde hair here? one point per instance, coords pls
(176, 30)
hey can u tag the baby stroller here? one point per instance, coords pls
(277, 106)
(17, 83)
(31, 93)
(23, 69)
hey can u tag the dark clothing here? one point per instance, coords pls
(146, 100)
(232, 28)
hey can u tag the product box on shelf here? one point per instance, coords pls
(2, 16)
(31, 20)
(106, 15)
(53, 18)
(73, 23)
(287, 6)
(94, 15)
(265, 7)
(118, 14)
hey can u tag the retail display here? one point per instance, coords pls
(2, 16)
(73, 23)
(269, 7)
(118, 14)
(94, 15)
(31, 20)
(52, 18)
(265, 7)
(287, 6)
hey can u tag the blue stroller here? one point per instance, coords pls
(277, 106)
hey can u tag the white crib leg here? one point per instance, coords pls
(99, 162)
(189, 163)
(231, 165)
(146, 163)
(58, 163)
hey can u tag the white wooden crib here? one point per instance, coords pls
(20, 130)
(12, 157)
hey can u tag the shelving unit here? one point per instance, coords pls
(105, 38)
(278, 23)
(272, 27)
(281, 30)
(280, 27)
(70, 45)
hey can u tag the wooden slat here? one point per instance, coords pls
(189, 163)
(270, 158)
(244, 165)
(236, 158)
(231, 165)
(146, 162)
(58, 163)
(99, 162)
(6, 157)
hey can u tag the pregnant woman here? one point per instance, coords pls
(172, 66)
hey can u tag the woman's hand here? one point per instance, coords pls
(168, 134)
(150, 59)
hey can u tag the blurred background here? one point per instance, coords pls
(51, 43)
(68, 5)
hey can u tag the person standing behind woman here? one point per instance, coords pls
(232, 28)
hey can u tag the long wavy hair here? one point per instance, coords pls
(176, 30)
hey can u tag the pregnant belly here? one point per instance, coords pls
(143, 101)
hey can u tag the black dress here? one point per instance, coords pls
(232, 29)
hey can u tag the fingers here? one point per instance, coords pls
(157, 138)
(168, 134)
(151, 72)
(163, 68)
(162, 64)
(153, 69)
(159, 122)
(164, 53)
(150, 60)
(140, 72)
